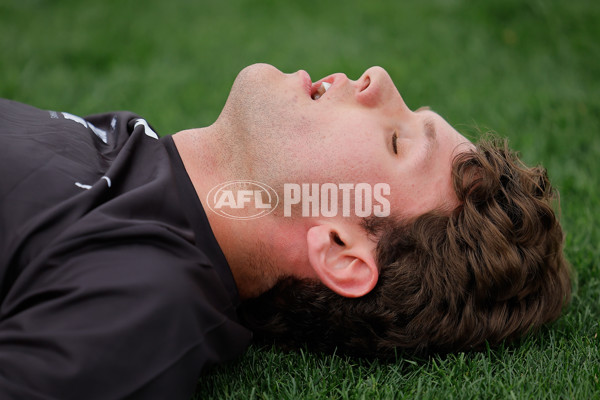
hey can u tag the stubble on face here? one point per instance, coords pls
(256, 123)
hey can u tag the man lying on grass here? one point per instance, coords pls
(325, 214)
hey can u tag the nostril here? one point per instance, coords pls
(366, 83)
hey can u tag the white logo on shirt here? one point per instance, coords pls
(88, 187)
(81, 185)
(147, 130)
(97, 131)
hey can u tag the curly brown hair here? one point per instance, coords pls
(490, 271)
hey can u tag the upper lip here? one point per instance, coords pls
(307, 82)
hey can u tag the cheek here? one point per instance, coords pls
(357, 153)
(334, 147)
(361, 164)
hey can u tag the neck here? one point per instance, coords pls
(251, 247)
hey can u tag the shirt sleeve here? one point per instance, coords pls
(117, 322)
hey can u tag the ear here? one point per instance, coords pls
(342, 257)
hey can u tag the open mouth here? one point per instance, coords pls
(320, 90)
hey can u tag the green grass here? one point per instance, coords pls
(529, 70)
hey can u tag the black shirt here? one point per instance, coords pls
(112, 284)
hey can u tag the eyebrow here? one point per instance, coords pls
(431, 134)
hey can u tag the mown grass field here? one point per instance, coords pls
(528, 70)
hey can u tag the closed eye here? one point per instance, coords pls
(395, 143)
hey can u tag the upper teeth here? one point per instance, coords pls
(321, 90)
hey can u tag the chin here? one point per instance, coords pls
(256, 70)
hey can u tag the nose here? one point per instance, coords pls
(375, 88)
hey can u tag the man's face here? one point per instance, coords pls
(357, 132)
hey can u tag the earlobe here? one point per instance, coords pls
(349, 268)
